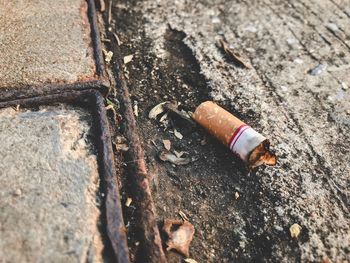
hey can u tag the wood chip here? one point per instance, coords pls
(109, 107)
(167, 144)
(295, 230)
(128, 202)
(102, 6)
(189, 260)
(108, 55)
(179, 154)
(234, 55)
(183, 216)
(136, 109)
(156, 110)
(236, 195)
(178, 134)
(128, 58)
(117, 39)
(169, 157)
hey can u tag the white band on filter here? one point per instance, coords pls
(244, 140)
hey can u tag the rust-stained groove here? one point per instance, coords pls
(96, 40)
(99, 82)
(151, 245)
(92, 100)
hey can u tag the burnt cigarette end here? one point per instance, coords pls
(262, 155)
(252, 147)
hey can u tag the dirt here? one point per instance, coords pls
(241, 215)
(49, 186)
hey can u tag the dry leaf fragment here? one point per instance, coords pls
(136, 109)
(169, 157)
(233, 55)
(295, 230)
(163, 118)
(122, 147)
(108, 55)
(102, 6)
(189, 260)
(156, 110)
(183, 216)
(167, 144)
(117, 39)
(236, 195)
(179, 154)
(178, 134)
(108, 107)
(128, 58)
(180, 234)
(128, 202)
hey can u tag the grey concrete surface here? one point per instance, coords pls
(44, 42)
(306, 117)
(49, 210)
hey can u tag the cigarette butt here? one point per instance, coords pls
(244, 141)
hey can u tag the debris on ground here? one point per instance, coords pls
(295, 230)
(121, 144)
(189, 260)
(183, 216)
(167, 144)
(178, 134)
(157, 110)
(108, 55)
(179, 154)
(318, 69)
(117, 39)
(236, 195)
(128, 59)
(136, 109)
(179, 235)
(233, 55)
(102, 6)
(128, 202)
(172, 108)
(249, 145)
(166, 156)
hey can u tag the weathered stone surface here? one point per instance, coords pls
(44, 42)
(48, 187)
(307, 118)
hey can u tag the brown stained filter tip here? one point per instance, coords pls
(180, 234)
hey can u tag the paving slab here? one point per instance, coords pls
(49, 183)
(44, 42)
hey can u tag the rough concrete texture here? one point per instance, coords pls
(44, 42)
(48, 187)
(306, 116)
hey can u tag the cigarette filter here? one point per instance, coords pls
(244, 141)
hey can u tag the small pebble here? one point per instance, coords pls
(18, 192)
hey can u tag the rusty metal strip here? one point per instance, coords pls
(96, 40)
(93, 100)
(13, 93)
(151, 245)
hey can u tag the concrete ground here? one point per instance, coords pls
(296, 94)
(49, 182)
(44, 42)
